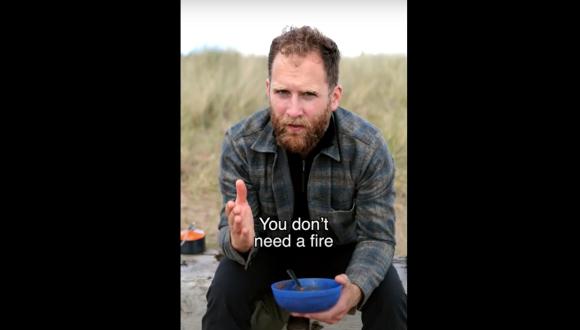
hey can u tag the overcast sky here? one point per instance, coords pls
(362, 26)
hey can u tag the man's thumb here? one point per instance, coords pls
(342, 279)
(241, 192)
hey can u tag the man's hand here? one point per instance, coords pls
(240, 220)
(349, 297)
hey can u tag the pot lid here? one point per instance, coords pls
(192, 234)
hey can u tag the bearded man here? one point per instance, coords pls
(305, 158)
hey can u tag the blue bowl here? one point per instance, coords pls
(319, 294)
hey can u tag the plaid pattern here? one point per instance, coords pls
(351, 184)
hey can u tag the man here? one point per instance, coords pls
(305, 157)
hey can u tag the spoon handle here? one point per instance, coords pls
(293, 276)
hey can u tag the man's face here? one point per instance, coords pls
(300, 101)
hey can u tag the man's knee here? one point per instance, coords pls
(387, 305)
(228, 280)
(390, 293)
(233, 281)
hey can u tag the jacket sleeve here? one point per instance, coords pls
(375, 221)
(233, 166)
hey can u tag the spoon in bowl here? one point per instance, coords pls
(293, 276)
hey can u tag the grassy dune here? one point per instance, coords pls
(220, 88)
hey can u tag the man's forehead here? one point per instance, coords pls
(297, 59)
(302, 85)
(306, 70)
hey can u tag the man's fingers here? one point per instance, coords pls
(241, 192)
(240, 218)
(231, 219)
(342, 279)
(229, 206)
(237, 225)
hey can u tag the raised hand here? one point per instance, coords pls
(240, 219)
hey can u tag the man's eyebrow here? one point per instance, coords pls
(307, 91)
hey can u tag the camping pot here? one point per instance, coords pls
(192, 241)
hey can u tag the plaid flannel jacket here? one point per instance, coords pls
(351, 184)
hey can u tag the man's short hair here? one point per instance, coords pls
(303, 40)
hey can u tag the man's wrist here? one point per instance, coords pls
(358, 295)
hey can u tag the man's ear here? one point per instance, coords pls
(335, 97)
(268, 88)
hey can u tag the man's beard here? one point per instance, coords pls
(303, 142)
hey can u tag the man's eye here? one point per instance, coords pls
(282, 92)
(309, 95)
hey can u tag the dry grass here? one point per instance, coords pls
(220, 88)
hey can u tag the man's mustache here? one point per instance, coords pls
(295, 122)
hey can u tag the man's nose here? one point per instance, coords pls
(294, 108)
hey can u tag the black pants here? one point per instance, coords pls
(234, 291)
